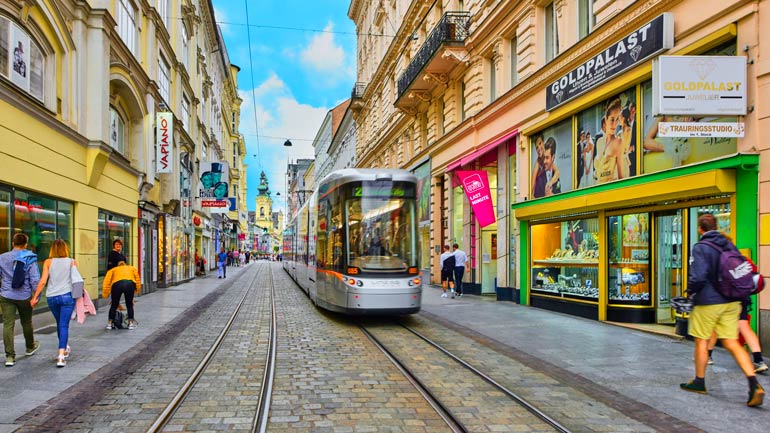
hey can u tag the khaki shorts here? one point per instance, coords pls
(722, 318)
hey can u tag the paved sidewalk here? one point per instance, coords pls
(35, 379)
(641, 366)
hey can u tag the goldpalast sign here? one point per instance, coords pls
(648, 40)
(692, 85)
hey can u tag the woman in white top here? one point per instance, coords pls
(56, 274)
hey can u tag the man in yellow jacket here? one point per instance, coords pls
(123, 279)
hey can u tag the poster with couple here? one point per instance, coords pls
(551, 159)
(606, 141)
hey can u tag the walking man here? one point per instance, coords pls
(222, 263)
(713, 312)
(447, 269)
(17, 298)
(461, 262)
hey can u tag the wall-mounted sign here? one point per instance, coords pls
(690, 85)
(476, 186)
(701, 129)
(648, 40)
(161, 252)
(164, 148)
(215, 186)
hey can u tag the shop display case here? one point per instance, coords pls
(629, 259)
(565, 259)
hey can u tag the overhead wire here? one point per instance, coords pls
(253, 88)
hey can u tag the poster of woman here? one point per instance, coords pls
(551, 157)
(20, 64)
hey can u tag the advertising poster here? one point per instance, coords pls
(606, 141)
(636, 230)
(663, 153)
(551, 159)
(423, 192)
(476, 186)
(215, 186)
(20, 62)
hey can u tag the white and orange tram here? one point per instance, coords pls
(353, 245)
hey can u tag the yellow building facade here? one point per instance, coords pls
(81, 90)
(474, 85)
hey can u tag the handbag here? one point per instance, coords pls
(76, 281)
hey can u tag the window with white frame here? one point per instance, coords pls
(163, 12)
(185, 48)
(232, 124)
(125, 15)
(551, 33)
(186, 112)
(235, 154)
(514, 61)
(117, 131)
(164, 78)
(586, 20)
(21, 59)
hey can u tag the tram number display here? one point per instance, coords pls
(381, 191)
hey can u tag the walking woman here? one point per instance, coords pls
(56, 275)
(121, 280)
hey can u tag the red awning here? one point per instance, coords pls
(476, 154)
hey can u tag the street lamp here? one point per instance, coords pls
(287, 143)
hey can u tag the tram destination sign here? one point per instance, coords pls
(646, 41)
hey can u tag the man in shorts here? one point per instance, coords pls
(713, 312)
(447, 271)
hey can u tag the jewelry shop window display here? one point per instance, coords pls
(629, 259)
(565, 259)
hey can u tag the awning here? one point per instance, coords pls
(476, 154)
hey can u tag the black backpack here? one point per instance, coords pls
(19, 274)
(118, 321)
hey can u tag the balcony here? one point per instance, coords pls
(442, 51)
(357, 96)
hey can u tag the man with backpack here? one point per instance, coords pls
(20, 275)
(714, 285)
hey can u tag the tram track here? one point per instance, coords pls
(259, 421)
(451, 412)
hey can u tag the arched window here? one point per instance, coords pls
(21, 59)
(117, 131)
(262, 211)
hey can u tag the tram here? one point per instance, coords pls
(353, 245)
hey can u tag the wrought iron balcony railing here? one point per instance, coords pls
(453, 27)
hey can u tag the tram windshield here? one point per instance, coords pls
(382, 234)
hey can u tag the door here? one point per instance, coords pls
(668, 263)
(488, 259)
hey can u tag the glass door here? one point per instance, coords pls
(668, 267)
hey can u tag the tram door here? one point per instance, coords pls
(669, 276)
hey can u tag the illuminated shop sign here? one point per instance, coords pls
(648, 40)
(165, 146)
(692, 85)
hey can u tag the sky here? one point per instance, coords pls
(304, 64)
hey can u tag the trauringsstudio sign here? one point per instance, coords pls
(648, 40)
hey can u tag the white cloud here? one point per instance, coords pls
(323, 53)
(280, 117)
(221, 18)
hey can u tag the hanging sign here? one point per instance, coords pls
(164, 148)
(215, 186)
(476, 186)
(648, 40)
(691, 85)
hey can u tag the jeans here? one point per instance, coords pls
(222, 269)
(9, 307)
(122, 287)
(62, 307)
(459, 271)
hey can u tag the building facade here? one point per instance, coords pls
(553, 101)
(108, 109)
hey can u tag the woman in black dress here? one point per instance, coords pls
(116, 256)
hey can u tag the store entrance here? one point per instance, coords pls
(668, 267)
(488, 259)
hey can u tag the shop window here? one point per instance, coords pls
(21, 59)
(551, 159)
(720, 211)
(606, 142)
(629, 259)
(565, 259)
(457, 214)
(112, 227)
(5, 221)
(117, 132)
(551, 33)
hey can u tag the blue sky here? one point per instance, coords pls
(303, 54)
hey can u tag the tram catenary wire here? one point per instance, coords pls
(440, 408)
(260, 419)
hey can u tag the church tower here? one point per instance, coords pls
(264, 209)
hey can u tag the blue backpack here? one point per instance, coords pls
(736, 274)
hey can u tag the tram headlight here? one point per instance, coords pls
(351, 281)
(414, 282)
(360, 283)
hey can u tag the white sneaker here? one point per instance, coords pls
(110, 326)
(443, 295)
(60, 361)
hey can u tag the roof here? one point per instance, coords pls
(338, 113)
